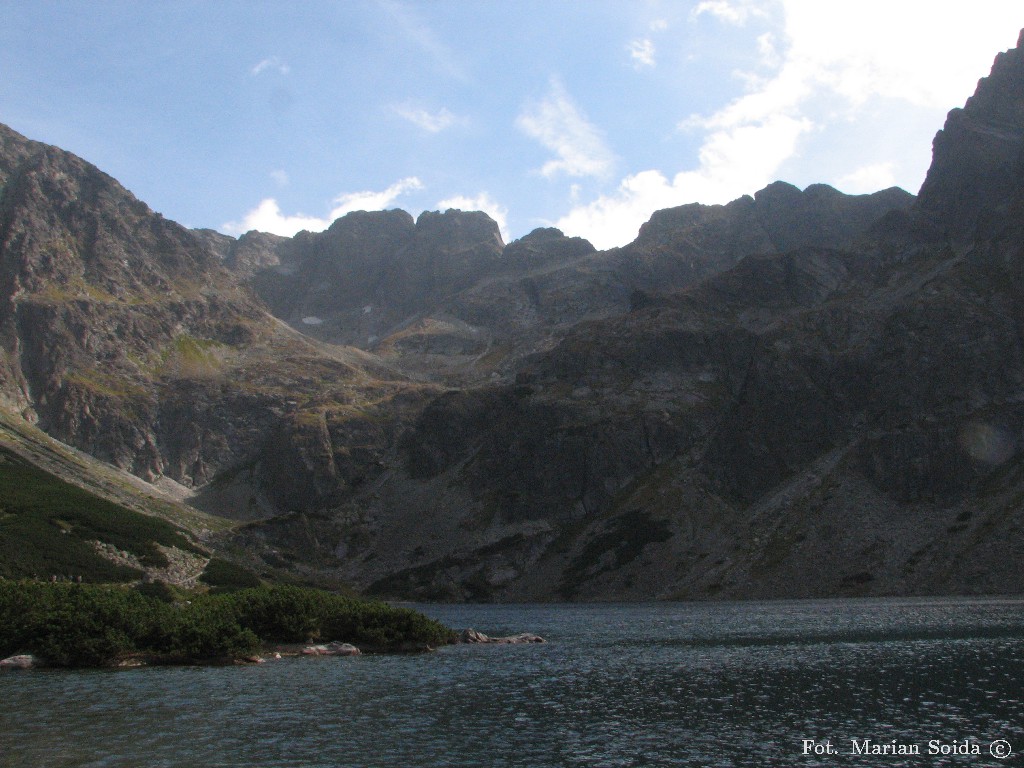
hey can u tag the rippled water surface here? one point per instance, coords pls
(616, 685)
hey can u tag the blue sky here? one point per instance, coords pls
(588, 116)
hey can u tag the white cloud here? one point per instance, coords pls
(482, 202)
(280, 177)
(659, 25)
(867, 178)
(736, 12)
(374, 201)
(267, 216)
(826, 70)
(432, 122)
(734, 161)
(767, 50)
(273, 63)
(642, 53)
(558, 124)
(931, 58)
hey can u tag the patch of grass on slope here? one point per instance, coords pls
(47, 526)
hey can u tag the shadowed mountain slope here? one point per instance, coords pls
(798, 393)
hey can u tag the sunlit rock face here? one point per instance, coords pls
(125, 335)
(800, 393)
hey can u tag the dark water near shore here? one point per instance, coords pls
(732, 684)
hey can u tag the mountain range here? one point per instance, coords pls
(800, 393)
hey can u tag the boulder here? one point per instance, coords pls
(331, 649)
(472, 636)
(21, 661)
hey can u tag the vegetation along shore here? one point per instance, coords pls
(89, 625)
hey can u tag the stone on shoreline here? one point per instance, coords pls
(472, 636)
(331, 649)
(21, 661)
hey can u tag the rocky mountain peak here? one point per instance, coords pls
(66, 226)
(545, 245)
(460, 230)
(253, 251)
(976, 157)
(359, 226)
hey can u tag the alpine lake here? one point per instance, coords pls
(852, 682)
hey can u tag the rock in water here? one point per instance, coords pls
(331, 649)
(21, 661)
(472, 636)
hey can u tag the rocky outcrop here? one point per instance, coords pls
(372, 271)
(978, 156)
(472, 637)
(544, 247)
(99, 299)
(21, 661)
(335, 648)
(680, 246)
(127, 336)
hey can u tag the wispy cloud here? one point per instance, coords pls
(280, 177)
(420, 34)
(272, 64)
(482, 202)
(642, 52)
(374, 201)
(431, 122)
(268, 217)
(559, 125)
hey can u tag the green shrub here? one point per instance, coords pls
(159, 590)
(224, 575)
(91, 625)
(204, 630)
(72, 624)
(276, 614)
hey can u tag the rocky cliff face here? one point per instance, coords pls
(442, 297)
(370, 272)
(808, 395)
(976, 157)
(798, 393)
(122, 333)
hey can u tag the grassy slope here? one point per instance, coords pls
(55, 502)
(63, 462)
(47, 527)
